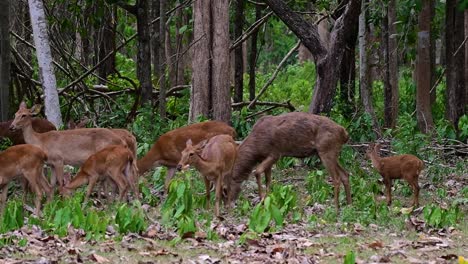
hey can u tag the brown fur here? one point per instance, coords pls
(290, 135)
(214, 159)
(166, 151)
(25, 162)
(406, 166)
(67, 147)
(39, 125)
(112, 162)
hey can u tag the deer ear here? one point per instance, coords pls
(22, 105)
(188, 143)
(35, 109)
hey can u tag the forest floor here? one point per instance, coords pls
(404, 239)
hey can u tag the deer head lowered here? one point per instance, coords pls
(290, 135)
(214, 159)
(67, 147)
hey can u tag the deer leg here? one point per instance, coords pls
(388, 190)
(3, 196)
(120, 180)
(44, 184)
(264, 167)
(330, 161)
(170, 174)
(32, 177)
(219, 182)
(58, 172)
(415, 186)
(92, 181)
(344, 176)
(25, 187)
(207, 188)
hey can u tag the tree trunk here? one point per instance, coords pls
(106, 40)
(390, 108)
(364, 77)
(44, 57)
(162, 76)
(455, 93)
(253, 55)
(348, 73)
(423, 68)
(201, 82)
(4, 59)
(155, 39)
(327, 60)
(220, 69)
(238, 58)
(465, 103)
(144, 50)
(392, 66)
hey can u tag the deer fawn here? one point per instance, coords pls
(214, 159)
(290, 135)
(26, 161)
(166, 151)
(407, 167)
(113, 162)
(67, 147)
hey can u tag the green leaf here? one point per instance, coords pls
(277, 216)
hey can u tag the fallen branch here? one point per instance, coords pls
(287, 105)
(273, 77)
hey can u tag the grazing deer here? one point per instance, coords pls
(166, 151)
(39, 125)
(214, 159)
(67, 147)
(406, 166)
(113, 162)
(25, 162)
(290, 135)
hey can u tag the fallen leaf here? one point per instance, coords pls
(376, 245)
(98, 259)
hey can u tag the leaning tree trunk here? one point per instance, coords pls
(328, 60)
(162, 76)
(364, 78)
(423, 68)
(44, 57)
(238, 58)
(4, 59)
(144, 50)
(201, 82)
(220, 69)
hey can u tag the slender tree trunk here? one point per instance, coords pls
(162, 76)
(201, 78)
(465, 103)
(144, 50)
(433, 53)
(348, 73)
(253, 55)
(423, 99)
(392, 65)
(220, 69)
(4, 59)
(44, 57)
(155, 39)
(238, 58)
(364, 78)
(390, 108)
(106, 40)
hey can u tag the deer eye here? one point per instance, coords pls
(23, 116)
(191, 154)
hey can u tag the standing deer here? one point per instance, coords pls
(406, 166)
(25, 162)
(113, 162)
(214, 159)
(290, 135)
(39, 125)
(67, 147)
(166, 151)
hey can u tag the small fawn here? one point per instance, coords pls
(214, 159)
(26, 161)
(113, 162)
(406, 166)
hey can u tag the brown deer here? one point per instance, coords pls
(67, 147)
(290, 135)
(406, 166)
(25, 162)
(214, 159)
(113, 162)
(39, 125)
(166, 151)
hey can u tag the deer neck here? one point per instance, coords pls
(375, 158)
(30, 136)
(80, 179)
(149, 161)
(202, 165)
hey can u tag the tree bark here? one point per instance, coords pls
(392, 92)
(106, 40)
(327, 60)
(4, 59)
(144, 50)
(220, 68)
(348, 73)
(423, 68)
(155, 39)
(162, 76)
(364, 78)
(44, 57)
(238, 58)
(201, 71)
(465, 103)
(253, 55)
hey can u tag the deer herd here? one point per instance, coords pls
(108, 156)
